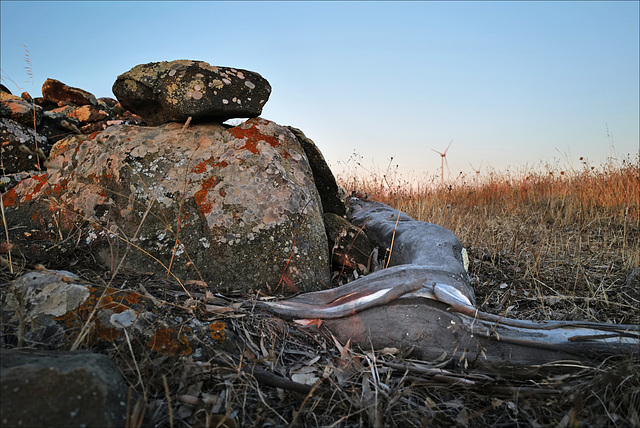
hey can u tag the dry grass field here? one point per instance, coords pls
(548, 243)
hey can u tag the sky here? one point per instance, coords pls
(509, 84)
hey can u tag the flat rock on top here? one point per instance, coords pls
(162, 92)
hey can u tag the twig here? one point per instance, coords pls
(135, 363)
(166, 391)
(393, 237)
(438, 374)
(271, 379)
(6, 232)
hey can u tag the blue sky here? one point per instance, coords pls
(511, 83)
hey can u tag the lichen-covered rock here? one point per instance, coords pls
(21, 149)
(107, 101)
(333, 197)
(57, 388)
(57, 92)
(89, 114)
(162, 92)
(56, 309)
(237, 207)
(21, 111)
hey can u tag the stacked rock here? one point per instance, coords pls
(247, 200)
(173, 91)
(156, 93)
(30, 126)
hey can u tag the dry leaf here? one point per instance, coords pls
(188, 399)
(304, 378)
(306, 322)
(215, 309)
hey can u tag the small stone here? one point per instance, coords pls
(88, 114)
(109, 102)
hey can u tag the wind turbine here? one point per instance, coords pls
(477, 170)
(444, 160)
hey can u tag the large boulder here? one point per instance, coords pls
(162, 92)
(236, 207)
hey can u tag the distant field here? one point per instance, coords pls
(543, 244)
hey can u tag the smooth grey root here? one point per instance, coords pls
(425, 303)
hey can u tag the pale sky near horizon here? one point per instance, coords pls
(513, 84)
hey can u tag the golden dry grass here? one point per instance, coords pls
(556, 234)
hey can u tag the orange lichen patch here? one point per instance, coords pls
(168, 342)
(106, 333)
(35, 185)
(202, 166)
(185, 215)
(80, 143)
(111, 299)
(253, 136)
(10, 198)
(132, 298)
(41, 181)
(63, 146)
(201, 195)
(217, 331)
